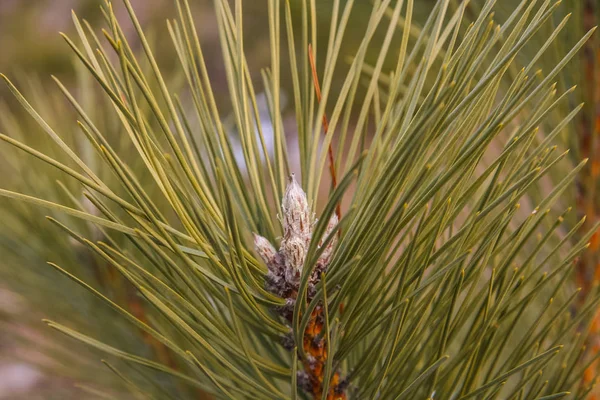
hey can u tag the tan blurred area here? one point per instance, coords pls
(29, 32)
(30, 42)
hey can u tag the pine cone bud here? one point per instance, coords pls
(325, 257)
(265, 250)
(296, 218)
(294, 253)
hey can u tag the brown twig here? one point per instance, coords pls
(338, 209)
(588, 267)
(313, 340)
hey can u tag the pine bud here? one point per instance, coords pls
(265, 250)
(325, 257)
(294, 253)
(296, 218)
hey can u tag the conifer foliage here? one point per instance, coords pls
(415, 250)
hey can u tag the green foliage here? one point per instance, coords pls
(451, 275)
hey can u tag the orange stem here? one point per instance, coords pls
(338, 209)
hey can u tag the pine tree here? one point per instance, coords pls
(421, 247)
